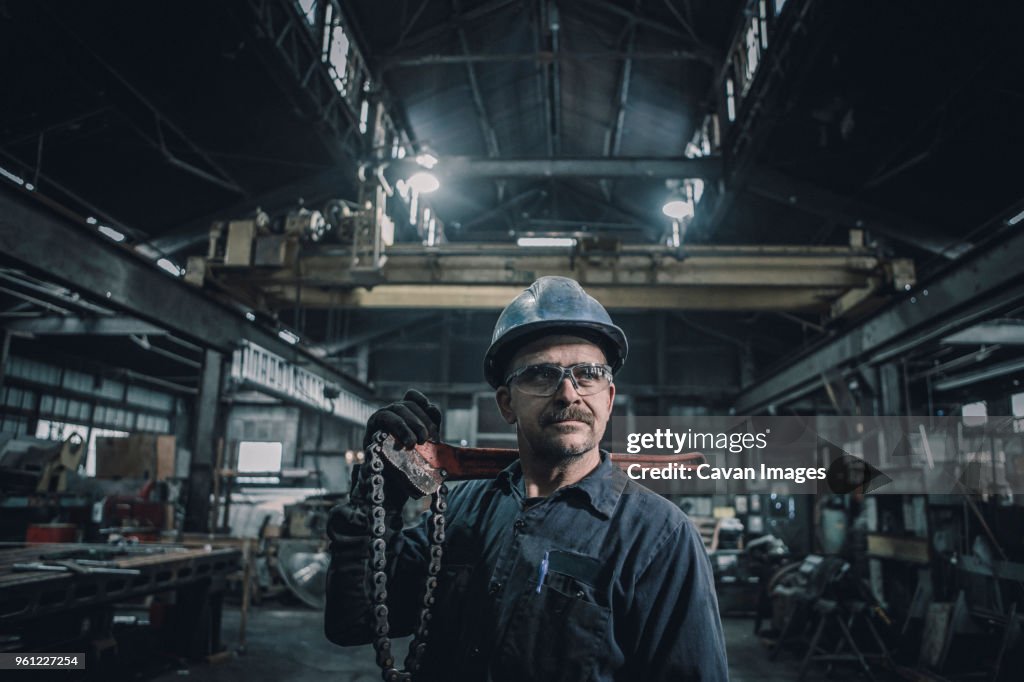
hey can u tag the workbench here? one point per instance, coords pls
(37, 603)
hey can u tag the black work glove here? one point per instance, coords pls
(411, 421)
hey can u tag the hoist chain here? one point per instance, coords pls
(378, 561)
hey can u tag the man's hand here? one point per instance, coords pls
(411, 421)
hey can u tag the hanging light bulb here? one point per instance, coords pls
(423, 182)
(677, 209)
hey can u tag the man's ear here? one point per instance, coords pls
(504, 399)
(611, 397)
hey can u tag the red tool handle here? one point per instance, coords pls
(422, 465)
(468, 463)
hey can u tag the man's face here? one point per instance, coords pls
(564, 425)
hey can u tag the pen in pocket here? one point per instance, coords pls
(543, 572)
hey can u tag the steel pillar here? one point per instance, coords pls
(206, 420)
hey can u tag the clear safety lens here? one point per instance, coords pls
(544, 380)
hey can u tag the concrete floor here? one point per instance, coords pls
(287, 644)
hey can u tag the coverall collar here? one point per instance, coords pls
(601, 488)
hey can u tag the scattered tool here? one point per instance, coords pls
(73, 567)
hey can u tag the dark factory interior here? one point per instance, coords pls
(233, 235)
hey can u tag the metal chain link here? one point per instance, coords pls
(378, 561)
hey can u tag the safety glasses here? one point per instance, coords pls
(542, 381)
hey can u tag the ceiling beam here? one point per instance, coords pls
(483, 119)
(808, 197)
(580, 167)
(293, 57)
(44, 294)
(803, 29)
(538, 56)
(430, 35)
(708, 56)
(423, 4)
(35, 236)
(1004, 331)
(504, 208)
(554, 26)
(216, 174)
(543, 85)
(613, 136)
(479, 264)
(332, 348)
(58, 325)
(587, 193)
(66, 194)
(981, 286)
(313, 189)
(687, 24)
(984, 374)
(492, 297)
(477, 275)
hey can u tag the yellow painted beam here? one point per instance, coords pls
(617, 298)
(702, 277)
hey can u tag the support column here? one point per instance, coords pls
(5, 351)
(661, 368)
(890, 390)
(205, 420)
(893, 402)
(748, 370)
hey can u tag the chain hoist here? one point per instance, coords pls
(378, 562)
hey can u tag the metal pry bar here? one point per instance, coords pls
(421, 464)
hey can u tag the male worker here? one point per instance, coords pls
(561, 568)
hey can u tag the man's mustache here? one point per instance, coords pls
(568, 414)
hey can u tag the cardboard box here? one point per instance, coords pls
(241, 234)
(140, 455)
(276, 250)
(195, 271)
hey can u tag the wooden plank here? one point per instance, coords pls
(911, 549)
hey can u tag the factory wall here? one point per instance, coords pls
(310, 439)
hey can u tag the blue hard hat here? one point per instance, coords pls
(552, 305)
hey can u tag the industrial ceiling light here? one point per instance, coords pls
(169, 266)
(288, 337)
(680, 208)
(427, 160)
(423, 183)
(11, 176)
(110, 232)
(563, 242)
(677, 209)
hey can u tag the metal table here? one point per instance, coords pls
(36, 602)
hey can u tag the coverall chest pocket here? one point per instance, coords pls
(558, 634)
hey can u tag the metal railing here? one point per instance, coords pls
(259, 368)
